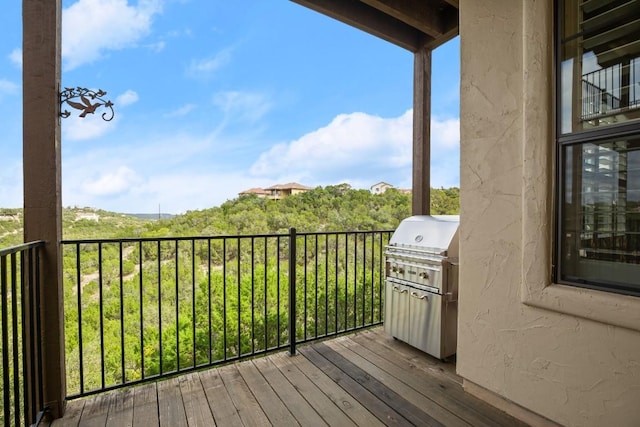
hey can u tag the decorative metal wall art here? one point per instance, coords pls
(87, 104)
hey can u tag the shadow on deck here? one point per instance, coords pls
(364, 379)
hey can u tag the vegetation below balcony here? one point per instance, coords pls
(142, 300)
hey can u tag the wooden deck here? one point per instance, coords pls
(364, 379)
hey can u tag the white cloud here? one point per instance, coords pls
(91, 27)
(157, 47)
(359, 148)
(185, 171)
(182, 111)
(75, 128)
(11, 182)
(16, 56)
(115, 182)
(121, 189)
(348, 141)
(445, 133)
(127, 98)
(242, 106)
(8, 87)
(208, 66)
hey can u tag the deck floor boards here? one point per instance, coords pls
(364, 379)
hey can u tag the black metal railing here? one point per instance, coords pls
(21, 350)
(610, 91)
(142, 309)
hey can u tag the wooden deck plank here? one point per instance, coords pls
(170, 406)
(408, 410)
(96, 411)
(409, 394)
(195, 401)
(365, 379)
(269, 401)
(405, 351)
(379, 408)
(444, 391)
(145, 406)
(72, 414)
(121, 409)
(350, 406)
(328, 410)
(222, 407)
(248, 407)
(299, 407)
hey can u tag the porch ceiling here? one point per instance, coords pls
(411, 24)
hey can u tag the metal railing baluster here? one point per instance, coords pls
(352, 299)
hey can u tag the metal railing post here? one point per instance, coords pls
(292, 291)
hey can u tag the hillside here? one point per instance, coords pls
(331, 208)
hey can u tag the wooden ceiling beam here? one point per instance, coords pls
(450, 20)
(425, 16)
(369, 19)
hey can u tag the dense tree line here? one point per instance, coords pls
(331, 208)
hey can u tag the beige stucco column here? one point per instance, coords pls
(421, 194)
(41, 21)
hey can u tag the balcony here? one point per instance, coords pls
(168, 331)
(365, 378)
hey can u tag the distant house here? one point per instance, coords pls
(260, 192)
(380, 187)
(278, 191)
(89, 216)
(10, 217)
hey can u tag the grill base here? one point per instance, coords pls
(425, 320)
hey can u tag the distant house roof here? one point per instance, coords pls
(289, 186)
(382, 184)
(258, 191)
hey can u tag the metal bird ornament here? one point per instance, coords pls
(87, 104)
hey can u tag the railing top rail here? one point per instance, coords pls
(320, 233)
(218, 237)
(18, 248)
(167, 239)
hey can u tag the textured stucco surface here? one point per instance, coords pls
(570, 369)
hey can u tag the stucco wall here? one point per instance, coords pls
(520, 336)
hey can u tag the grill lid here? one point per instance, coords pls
(437, 234)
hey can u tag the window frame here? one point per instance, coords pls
(577, 138)
(537, 287)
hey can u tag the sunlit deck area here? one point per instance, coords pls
(363, 379)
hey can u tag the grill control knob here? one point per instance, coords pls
(423, 275)
(401, 270)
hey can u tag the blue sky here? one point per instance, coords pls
(214, 97)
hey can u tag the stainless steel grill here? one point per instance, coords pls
(421, 289)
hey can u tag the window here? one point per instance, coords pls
(598, 144)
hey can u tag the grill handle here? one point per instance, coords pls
(407, 250)
(415, 295)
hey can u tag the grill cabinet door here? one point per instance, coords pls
(426, 321)
(396, 313)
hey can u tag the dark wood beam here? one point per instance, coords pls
(450, 22)
(425, 16)
(421, 191)
(41, 35)
(454, 3)
(371, 20)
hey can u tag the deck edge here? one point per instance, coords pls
(505, 405)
